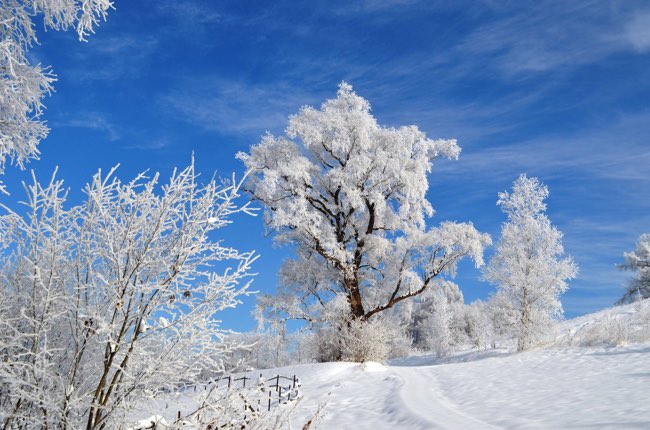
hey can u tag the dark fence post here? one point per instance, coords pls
(178, 416)
(294, 382)
(229, 380)
(277, 382)
(269, 400)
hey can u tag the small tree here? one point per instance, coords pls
(349, 194)
(112, 302)
(639, 262)
(526, 267)
(437, 319)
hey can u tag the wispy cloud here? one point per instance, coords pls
(92, 121)
(552, 35)
(106, 60)
(155, 144)
(618, 150)
(637, 31)
(370, 6)
(235, 107)
(190, 12)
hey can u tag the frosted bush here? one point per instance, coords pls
(368, 341)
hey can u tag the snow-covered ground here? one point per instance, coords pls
(557, 387)
(592, 387)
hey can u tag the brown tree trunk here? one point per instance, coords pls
(354, 297)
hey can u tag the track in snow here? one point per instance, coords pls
(422, 395)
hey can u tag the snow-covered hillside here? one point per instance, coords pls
(557, 387)
(546, 389)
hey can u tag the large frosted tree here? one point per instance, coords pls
(638, 261)
(527, 266)
(350, 196)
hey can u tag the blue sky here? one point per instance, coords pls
(557, 89)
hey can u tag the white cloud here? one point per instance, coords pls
(638, 31)
(231, 107)
(92, 121)
(103, 59)
(552, 35)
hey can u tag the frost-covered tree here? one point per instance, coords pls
(638, 261)
(437, 319)
(527, 267)
(24, 85)
(478, 324)
(112, 302)
(349, 194)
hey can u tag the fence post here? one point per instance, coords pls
(178, 416)
(277, 382)
(294, 382)
(229, 380)
(269, 400)
(245, 378)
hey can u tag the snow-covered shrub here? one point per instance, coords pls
(113, 300)
(440, 339)
(612, 327)
(437, 320)
(305, 347)
(479, 327)
(367, 341)
(638, 261)
(642, 309)
(609, 330)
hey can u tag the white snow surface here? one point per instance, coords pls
(569, 387)
(578, 388)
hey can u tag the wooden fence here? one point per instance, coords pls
(276, 390)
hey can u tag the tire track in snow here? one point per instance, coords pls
(422, 395)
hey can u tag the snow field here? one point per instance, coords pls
(579, 388)
(557, 387)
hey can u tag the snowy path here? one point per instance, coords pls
(422, 394)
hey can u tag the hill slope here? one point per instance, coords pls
(568, 385)
(563, 386)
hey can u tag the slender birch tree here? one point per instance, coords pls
(527, 266)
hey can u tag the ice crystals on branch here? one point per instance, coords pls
(85, 297)
(527, 266)
(24, 86)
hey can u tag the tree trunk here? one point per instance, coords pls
(354, 297)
